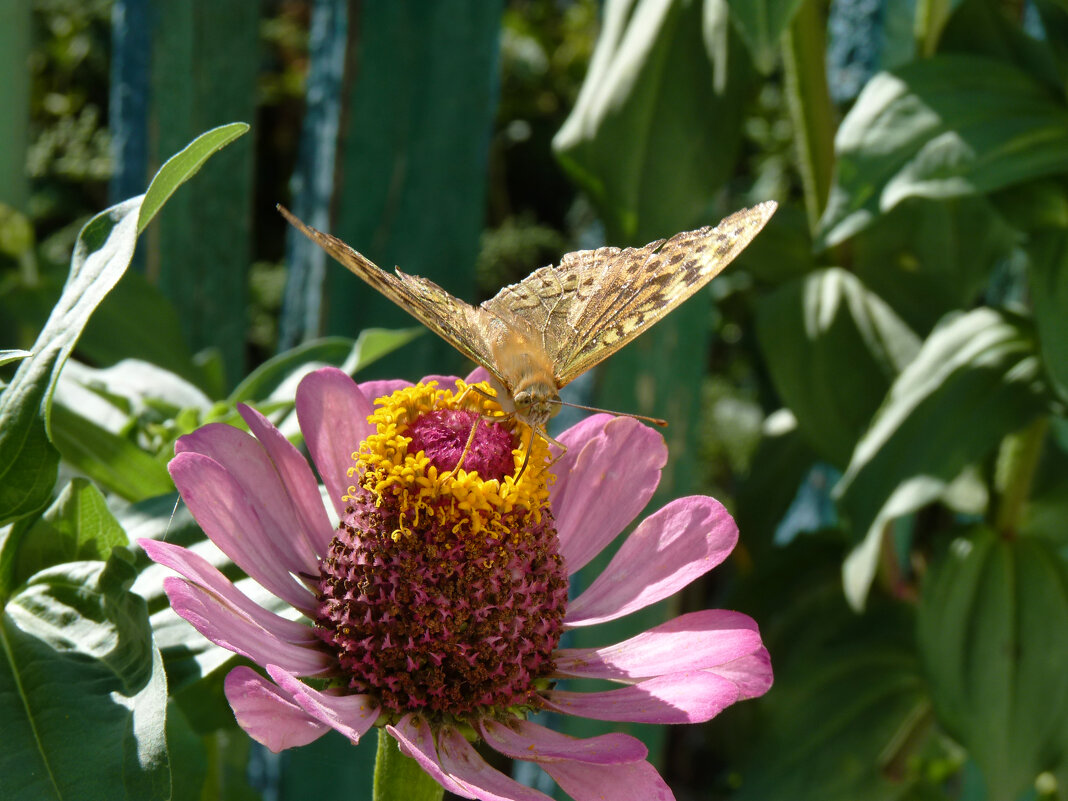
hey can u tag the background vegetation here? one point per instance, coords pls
(877, 391)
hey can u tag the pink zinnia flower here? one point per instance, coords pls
(438, 602)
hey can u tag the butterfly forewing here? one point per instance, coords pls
(461, 325)
(636, 287)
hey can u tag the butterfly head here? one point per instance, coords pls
(536, 403)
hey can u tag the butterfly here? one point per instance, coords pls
(536, 336)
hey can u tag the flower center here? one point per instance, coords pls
(444, 592)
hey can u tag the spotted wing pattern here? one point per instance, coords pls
(596, 301)
(463, 326)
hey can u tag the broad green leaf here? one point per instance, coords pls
(993, 637)
(845, 698)
(132, 386)
(1054, 16)
(82, 689)
(183, 165)
(948, 126)
(983, 28)
(28, 460)
(283, 372)
(657, 124)
(976, 378)
(12, 355)
(1049, 292)
(109, 459)
(928, 257)
(78, 526)
(833, 349)
(762, 24)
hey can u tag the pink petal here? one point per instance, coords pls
(227, 627)
(444, 381)
(352, 715)
(266, 714)
(333, 418)
(751, 674)
(315, 529)
(250, 468)
(478, 375)
(677, 698)
(380, 389)
(415, 740)
(522, 739)
(607, 476)
(637, 781)
(204, 574)
(232, 521)
(694, 641)
(462, 763)
(667, 551)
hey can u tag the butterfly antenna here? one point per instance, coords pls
(656, 421)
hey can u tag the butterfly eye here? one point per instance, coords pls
(521, 399)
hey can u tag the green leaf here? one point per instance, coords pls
(762, 24)
(832, 348)
(656, 126)
(283, 372)
(948, 126)
(12, 355)
(82, 689)
(993, 637)
(1049, 292)
(112, 461)
(928, 257)
(983, 28)
(183, 165)
(28, 461)
(845, 699)
(77, 526)
(976, 378)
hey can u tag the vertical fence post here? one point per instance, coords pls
(313, 181)
(416, 133)
(205, 61)
(14, 102)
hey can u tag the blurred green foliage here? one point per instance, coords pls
(878, 393)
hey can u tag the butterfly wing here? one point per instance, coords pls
(461, 325)
(605, 298)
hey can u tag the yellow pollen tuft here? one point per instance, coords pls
(458, 500)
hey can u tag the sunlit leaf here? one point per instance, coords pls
(976, 379)
(82, 688)
(948, 126)
(651, 138)
(809, 330)
(78, 526)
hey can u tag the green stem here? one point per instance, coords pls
(804, 48)
(1016, 465)
(930, 19)
(399, 778)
